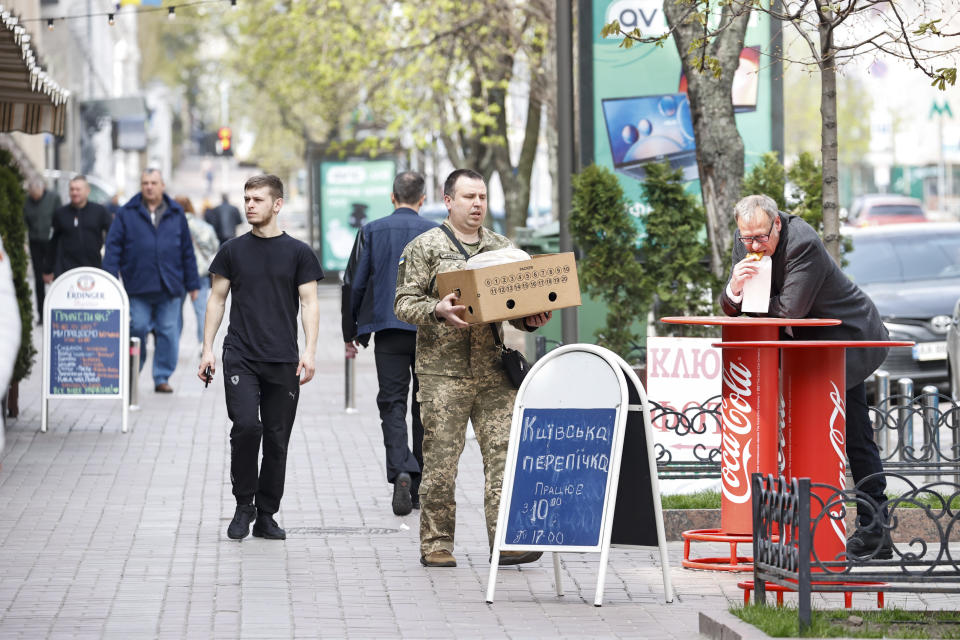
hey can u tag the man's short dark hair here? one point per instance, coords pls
(451, 181)
(408, 187)
(268, 180)
(80, 178)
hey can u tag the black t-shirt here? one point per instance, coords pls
(264, 274)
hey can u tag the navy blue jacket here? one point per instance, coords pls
(151, 259)
(370, 280)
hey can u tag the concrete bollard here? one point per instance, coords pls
(882, 402)
(134, 398)
(350, 383)
(905, 419)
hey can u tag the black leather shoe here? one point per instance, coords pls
(402, 502)
(415, 501)
(869, 544)
(509, 558)
(240, 525)
(267, 527)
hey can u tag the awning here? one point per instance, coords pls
(30, 101)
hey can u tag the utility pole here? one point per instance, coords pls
(570, 331)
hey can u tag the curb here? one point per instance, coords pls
(723, 625)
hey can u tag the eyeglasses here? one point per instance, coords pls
(749, 240)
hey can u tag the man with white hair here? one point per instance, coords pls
(150, 248)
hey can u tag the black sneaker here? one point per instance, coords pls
(240, 525)
(402, 502)
(869, 544)
(267, 527)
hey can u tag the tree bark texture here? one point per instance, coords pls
(828, 133)
(719, 145)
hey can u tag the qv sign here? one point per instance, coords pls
(645, 15)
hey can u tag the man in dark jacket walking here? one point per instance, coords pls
(38, 208)
(78, 232)
(369, 286)
(224, 218)
(149, 246)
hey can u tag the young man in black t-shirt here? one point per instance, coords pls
(267, 273)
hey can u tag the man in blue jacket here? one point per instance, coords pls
(149, 247)
(369, 286)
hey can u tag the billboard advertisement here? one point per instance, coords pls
(352, 193)
(633, 103)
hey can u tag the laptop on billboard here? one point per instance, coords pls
(646, 129)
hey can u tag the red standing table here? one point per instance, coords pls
(750, 420)
(814, 384)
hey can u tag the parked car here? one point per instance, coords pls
(884, 208)
(953, 352)
(912, 273)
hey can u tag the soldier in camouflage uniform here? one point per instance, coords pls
(460, 372)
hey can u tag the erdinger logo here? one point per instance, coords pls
(83, 290)
(86, 283)
(737, 429)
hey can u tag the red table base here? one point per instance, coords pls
(747, 587)
(731, 563)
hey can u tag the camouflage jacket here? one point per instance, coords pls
(441, 349)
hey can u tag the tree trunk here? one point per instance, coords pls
(828, 134)
(719, 145)
(13, 399)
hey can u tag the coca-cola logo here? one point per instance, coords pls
(838, 442)
(737, 412)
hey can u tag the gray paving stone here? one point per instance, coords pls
(110, 535)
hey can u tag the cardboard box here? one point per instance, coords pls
(515, 290)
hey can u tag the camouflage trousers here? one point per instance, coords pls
(445, 405)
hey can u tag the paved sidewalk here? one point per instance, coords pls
(123, 535)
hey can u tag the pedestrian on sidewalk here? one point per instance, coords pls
(149, 247)
(79, 229)
(268, 274)
(369, 287)
(461, 375)
(38, 209)
(205, 246)
(224, 218)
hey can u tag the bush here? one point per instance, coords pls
(13, 230)
(676, 254)
(608, 270)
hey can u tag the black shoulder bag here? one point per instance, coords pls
(513, 361)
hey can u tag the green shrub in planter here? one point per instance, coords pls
(13, 230)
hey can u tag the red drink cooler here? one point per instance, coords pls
(749, 420)
(814, 389)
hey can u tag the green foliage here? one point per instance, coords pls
(783, 622)
(13, 230)
(699, 500)
(807, 194)
(609, 271)
(676, 254)
(767, 177)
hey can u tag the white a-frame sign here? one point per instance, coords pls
(581, 471)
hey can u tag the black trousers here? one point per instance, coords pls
(262, 403)
(38, 255)
(395, 352)
(862, 451)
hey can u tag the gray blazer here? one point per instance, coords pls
(807, 283)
